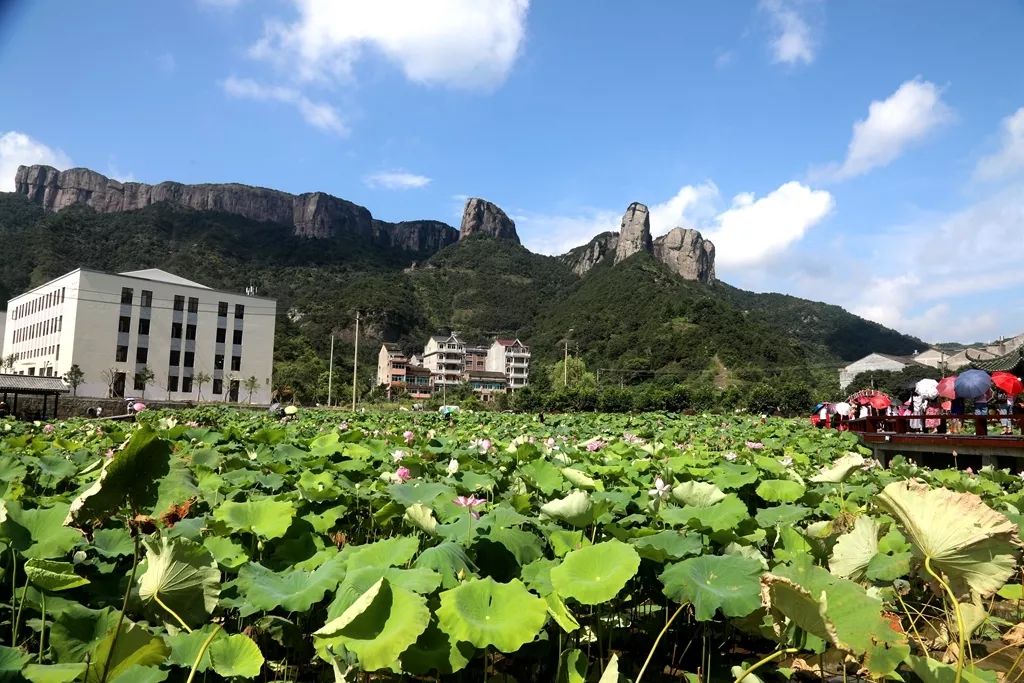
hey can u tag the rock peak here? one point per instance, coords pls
(481, 217)
(634, 232)
(313, 215)
(687, 253)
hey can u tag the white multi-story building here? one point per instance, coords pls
(445, 358)
(115, 326)
(512, 357)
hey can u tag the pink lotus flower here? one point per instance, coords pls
(109, 453)
(470, 503)
(550, 442)
(969, 471)
(595, 446)
(409, 437)
(48, 429)
(403, 474)
(139, 407)
(755, 445)
(343, 427)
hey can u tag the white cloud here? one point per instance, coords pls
(724, 58)
(461, 43)
(318, 114)
(19, 149)
(752, 231)
(904, 118)
(793, 41)
(1010, 157)
(749, 232)
(396, 180)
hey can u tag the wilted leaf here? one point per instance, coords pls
(854, 550)
(840, 469)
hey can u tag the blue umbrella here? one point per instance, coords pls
(973, 384)
(817, 408)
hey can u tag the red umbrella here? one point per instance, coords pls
(880, 401)
(947, 387)
(1008, 382)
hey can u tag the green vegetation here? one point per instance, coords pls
(231, 545)
(635, 323)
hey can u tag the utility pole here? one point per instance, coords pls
(355, 363)
(565, 362)
(330, 372)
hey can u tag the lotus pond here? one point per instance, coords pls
(221, 545)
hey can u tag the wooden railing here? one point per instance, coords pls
(901, 424)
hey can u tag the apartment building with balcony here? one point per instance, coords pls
(398, 373)
(511, 357)
(114, 327)
(445, 357)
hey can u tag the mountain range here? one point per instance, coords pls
(640, 308)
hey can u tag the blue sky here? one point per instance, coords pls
(868, 154)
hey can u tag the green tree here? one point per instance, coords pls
(8, 361)
(251, 384)
(74, 378)
(571, 376)
(201, 378)
(144, 377)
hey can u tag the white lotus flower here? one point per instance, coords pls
(661, 489)
(453, 466)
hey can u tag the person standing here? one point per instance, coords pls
(956, 409)
(1006, 410)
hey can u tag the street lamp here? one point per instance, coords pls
(565, 362)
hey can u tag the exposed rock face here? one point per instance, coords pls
(582, 259)
(481, 217)
(687, 253)
(312, 214)
(634, 232)
(683, 250)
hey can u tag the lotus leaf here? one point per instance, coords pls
(185, 646)
(236, 655)
(721, 516)
(611, 672)
(179, 575)
(572, 667)
(560, 613)
(50, 575)
(421, 517)
(577, 509)
(840, 470)
(266, 518)
(710, 583)
(434, 650)
(295, 590)
(131, 478)
(487, 613)
(447, 559)
(855, 549)
(786, 514)
(134, 646)
(40, 532)
(53, 673)
(970, 543)
(697, 494)
(597, 573)
(668, 545)
(581, 480)
(780, 490)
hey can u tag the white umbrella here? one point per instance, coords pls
(927, 388)
(843, 408)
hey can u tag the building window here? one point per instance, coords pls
(239, 311)
(124, 324)
(140, 385)
(236, 338)
(58, 352)
(190, 359)
(175, 359)
(172, 383)
(190, 332)
(221, 334)
(186, 385)
(179, 303)
(236, 363)
(222, 309)
(141, 354)
(218, 361)
(175, 330)
(146, 299)
(122, 354)
(193, 304)
(218, 386)
(143, 325)
(126, 295)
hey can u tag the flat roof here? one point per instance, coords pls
(134, 275)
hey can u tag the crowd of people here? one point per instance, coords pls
(931, 415)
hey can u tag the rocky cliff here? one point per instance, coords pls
(683, 250)
(634, 232)
(687, 253)
(314, 215)
(481, 217)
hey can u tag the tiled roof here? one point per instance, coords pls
(486, 374)
(28, 384)
(1010, 362)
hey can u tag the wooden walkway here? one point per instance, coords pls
(887, 436)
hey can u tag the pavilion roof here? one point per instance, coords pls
(32, 384)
